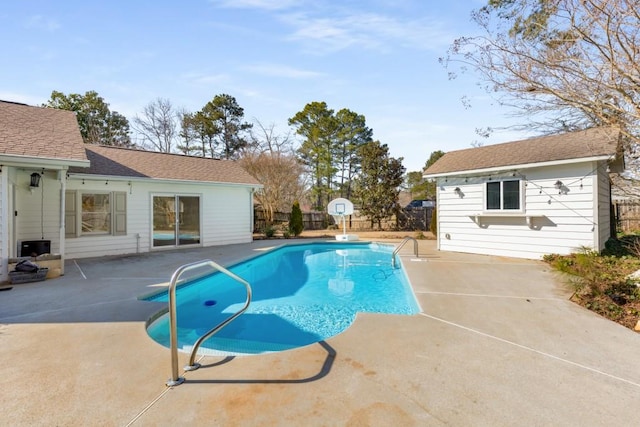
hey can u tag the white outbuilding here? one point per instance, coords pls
(528, 198)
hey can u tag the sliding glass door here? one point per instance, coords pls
(188, 220)
(176, 220)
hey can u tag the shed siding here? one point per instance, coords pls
(565, 222)
(224, 216)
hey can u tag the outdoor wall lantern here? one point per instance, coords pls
(35, 180)
(457, 190)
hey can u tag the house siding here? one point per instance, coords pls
(229, 217)
(38, 211)
(224, 216)
(560, 222)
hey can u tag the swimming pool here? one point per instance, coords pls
(302, 294)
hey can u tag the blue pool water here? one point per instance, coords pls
(302, 294)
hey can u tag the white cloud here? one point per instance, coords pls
(39, 22)
(367, 30)
(326, 27)
(284, 71)
(205, 79)
(257, 4)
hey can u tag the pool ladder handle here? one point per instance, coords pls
(404, 242)
(173, 326)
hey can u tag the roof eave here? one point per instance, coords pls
(41, 162)
(94, 177)
(520, 166)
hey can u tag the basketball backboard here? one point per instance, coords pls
(340, 206)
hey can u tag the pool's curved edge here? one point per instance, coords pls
(155, 316)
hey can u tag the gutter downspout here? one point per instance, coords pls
(63, 188)
(4, 225)
(251, 213)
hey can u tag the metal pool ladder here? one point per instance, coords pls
(173, 326)
(404, 241)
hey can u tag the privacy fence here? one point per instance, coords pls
(412, 219)
(627, 215)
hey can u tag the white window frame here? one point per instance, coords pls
(521, 195)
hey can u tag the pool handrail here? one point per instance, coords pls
(173, 326)
(404, 241)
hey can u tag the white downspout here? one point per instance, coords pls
(62, 175)
(251, 212)
(4, 225)
(596, 216)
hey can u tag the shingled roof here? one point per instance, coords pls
(601, 143)
(43, 133)
(129, 163)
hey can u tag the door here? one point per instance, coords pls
(188, 220)
(176, 220)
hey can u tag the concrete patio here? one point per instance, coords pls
(497, 344)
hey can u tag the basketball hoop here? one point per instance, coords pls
(339, 208)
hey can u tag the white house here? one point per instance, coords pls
(77, 200)
(528, 198)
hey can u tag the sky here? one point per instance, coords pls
(374, 57)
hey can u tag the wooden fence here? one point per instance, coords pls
(408, 220)
(627, 215)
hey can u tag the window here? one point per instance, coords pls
(503, 195)
(95, 213)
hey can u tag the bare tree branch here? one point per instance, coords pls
(562, 64)
(157, 125)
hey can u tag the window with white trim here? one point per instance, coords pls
(504, 196)
(95, 213)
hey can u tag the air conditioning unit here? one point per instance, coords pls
(35, 247)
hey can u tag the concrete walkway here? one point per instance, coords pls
(497, 344)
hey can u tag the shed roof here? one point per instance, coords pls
(38, 132)
(130, 163)
(590, 143)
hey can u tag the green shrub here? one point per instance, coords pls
(433, 227)
(295, 222)
(269, 231)
(285, 228)
(601, 281)
(596, 274)
(614, 247)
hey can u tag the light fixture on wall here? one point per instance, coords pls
(35, 180)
